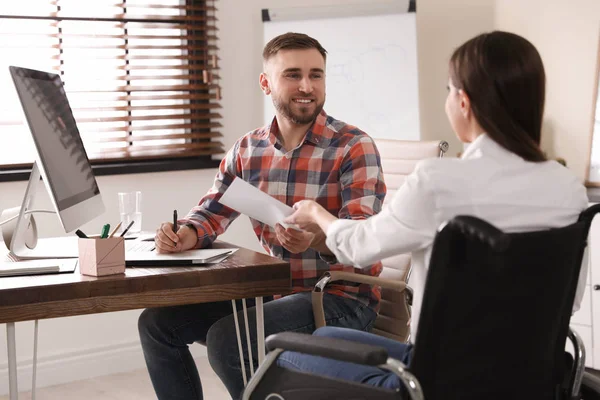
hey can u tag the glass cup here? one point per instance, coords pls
(130, 208)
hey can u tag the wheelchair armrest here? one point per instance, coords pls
(590, 387)
(578, 369)
(337, 349)
(332, 276)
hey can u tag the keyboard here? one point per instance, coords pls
(139, 245)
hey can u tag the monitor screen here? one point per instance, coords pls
(56, 137)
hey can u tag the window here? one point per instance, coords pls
(141, 77)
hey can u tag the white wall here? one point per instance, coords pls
(442, 26)
(566, 35)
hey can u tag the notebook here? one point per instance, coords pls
(189, 257)
(53, 248)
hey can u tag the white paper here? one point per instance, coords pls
(251, 201)
(32, 267)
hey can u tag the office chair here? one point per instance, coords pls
(398, 160)
(493, 325)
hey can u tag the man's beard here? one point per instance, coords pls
(296, 118)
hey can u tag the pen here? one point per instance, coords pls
(218, 256)
(175, 221)
(104, 233)
(115, 230)
(126, 229)
(80, 234)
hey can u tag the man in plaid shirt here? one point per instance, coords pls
(302, 154)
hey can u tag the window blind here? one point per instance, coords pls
(141, 75)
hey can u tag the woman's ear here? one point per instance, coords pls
(263, 80)
(464, 104)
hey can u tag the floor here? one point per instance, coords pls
(133, 385)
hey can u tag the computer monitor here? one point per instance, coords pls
(60, 154)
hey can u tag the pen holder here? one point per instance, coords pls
(100, 257)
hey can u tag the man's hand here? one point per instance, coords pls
(292, 240)
(168, 242)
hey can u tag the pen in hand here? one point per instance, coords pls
(175, 225)
(175, 221)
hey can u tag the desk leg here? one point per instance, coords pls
(239, 340)
(248, 337)
(34, 372)
(12, 361)
(260, 329)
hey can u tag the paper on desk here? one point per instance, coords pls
(251, 201)
(34, 267)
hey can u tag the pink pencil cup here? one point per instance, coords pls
(100, 257)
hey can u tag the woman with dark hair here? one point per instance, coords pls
(495, 102)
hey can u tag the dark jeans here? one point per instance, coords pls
(349, 371)
(166, 332)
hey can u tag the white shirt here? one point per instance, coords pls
(488, 182)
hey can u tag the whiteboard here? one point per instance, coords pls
(371, 74)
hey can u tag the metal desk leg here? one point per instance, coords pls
(12, 361)
(260, 335)
(260, 329)
(248, 338)
(34, 372)
(239, 340)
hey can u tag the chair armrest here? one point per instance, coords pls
(349, 276)
(338, 349)
(590, 387)
(332, 276)
(334, 348)
(578, 364)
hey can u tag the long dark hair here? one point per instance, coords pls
(503, 75)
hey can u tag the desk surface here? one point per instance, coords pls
(244, 274)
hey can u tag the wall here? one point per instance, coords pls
(566, 35)
(442, 26)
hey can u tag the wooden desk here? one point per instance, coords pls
(244, 274)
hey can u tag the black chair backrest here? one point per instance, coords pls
(496, 310)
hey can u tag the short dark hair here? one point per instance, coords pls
(503, 75)
(292, 41)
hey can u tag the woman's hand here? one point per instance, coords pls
(308, 214)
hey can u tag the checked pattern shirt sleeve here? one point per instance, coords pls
(209, 217)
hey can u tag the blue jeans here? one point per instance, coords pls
(349, 371)
(167, 332)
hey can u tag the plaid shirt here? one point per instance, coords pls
(337, 165)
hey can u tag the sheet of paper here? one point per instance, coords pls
(251, 201)
(13, 268)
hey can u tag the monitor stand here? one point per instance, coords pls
(21, 237)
